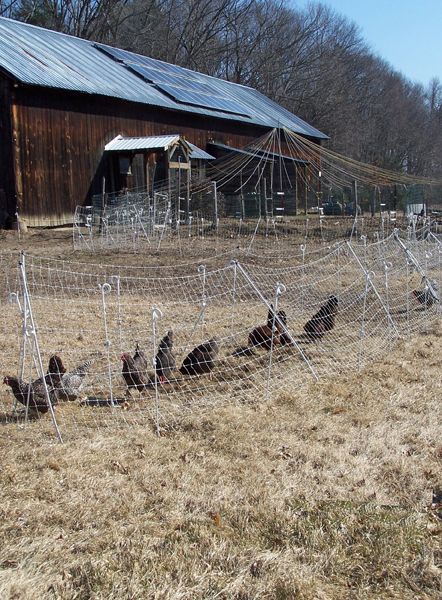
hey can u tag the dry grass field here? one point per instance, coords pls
(321, 492)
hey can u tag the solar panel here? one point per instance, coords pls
(115, 53)
(196, 98)
(183, 86)
(151, 75)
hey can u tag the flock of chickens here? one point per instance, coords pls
(64, 385)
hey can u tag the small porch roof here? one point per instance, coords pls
(156, 142)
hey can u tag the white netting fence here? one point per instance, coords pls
(334, 310)
(139, 220)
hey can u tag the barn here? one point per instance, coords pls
(79, 118)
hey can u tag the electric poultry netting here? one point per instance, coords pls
(238, 333)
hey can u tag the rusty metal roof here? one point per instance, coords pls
(41, 57)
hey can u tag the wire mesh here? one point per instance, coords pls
(241, 332)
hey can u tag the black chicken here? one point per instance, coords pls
(323, 321)
(424, 297)
(165, 360)
(201, 359)
(135, 371)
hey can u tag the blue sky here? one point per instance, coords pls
(406, 33)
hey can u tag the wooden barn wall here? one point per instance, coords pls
(7, 183)
(61, 138)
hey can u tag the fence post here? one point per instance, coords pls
(31, 332)
(369, 281)
(156, 314)
(416, 264)
(280, 289)
(278, 320)
(105, 289)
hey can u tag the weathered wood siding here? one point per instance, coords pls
(7, 184)
(61, 138)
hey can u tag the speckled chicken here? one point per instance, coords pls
(201, 359)
(165, 362)
(135, 371)
(323, 321)
(72, 382)
(36, 390)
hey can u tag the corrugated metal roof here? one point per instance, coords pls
(41, 57)
(199, 154)
(157, 142)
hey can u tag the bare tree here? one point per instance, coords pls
(313, 61)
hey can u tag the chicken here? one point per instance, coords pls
(135, 371)
(140, 359)
(165, 360)
(55, 370)
(35, 391)
(201, 359)
(71, 383)
(323, 321)
(425, 297)
(264, 335)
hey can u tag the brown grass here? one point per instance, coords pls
(320, 493)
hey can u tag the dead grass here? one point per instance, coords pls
(320, 493)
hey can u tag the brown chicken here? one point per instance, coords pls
(135, 371)
(264, 335)
(55, 371)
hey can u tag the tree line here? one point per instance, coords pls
(311, 60)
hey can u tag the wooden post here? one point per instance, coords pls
(265, 196)
(319, 191)
(146, 171)
(189, 177)
(169, 190)
(20, 209)
(305, 191)
(178, 206)
(296, 188)
(215, 205)
(355, 198)
(103, 202)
